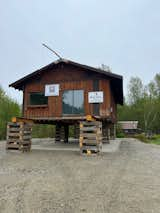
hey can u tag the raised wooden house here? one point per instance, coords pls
(64, 92)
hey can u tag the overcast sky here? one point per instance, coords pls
(123, 34)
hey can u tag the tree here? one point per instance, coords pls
(105, 68)
(143, 104)
(157, 84)
(135, 90)
(8, 109)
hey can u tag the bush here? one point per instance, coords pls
(141, 137)
(47, 131)
(8, 109)
(119, 132)
(156, 137)
(120, 135)
(43, 131)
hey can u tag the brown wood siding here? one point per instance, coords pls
(106, 105)
(69, 78)
(54, 107)
(114, 109)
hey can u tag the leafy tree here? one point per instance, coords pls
(135, 90)
(105, 68)
(157, 84)
(143, 104)
(8, 109)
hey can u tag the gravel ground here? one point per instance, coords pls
(73, 145)
(126, 181)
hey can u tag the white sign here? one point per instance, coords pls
(95, 97)
(52, 90)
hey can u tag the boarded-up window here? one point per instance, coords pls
(73, 102)
(38, 98)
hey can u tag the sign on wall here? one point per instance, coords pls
(52, 90)
(95, 97)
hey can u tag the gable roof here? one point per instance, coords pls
(116, 80)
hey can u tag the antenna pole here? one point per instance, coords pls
(52, 51)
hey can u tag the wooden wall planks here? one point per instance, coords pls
(69, 78)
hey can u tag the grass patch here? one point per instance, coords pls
(154, 140)
(120, 135)
(141, 137)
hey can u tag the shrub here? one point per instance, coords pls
(8, 109)
(43, 131)
(120, 135)
(141, 137)
(119, 132)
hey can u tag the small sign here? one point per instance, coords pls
(95, 97)
(52, 90)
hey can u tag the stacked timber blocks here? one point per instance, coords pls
(90, 137)
(19, 136)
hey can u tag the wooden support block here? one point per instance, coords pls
(18, 136)
(90, 137)
(89, 152)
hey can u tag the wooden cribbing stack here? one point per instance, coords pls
(58, 133)
(19, 136)
(90, 137)
(61, 134)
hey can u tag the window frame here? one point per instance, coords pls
(73, 114)
(36, 105)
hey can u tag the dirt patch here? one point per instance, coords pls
(65, 182)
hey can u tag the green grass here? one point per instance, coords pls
(155, 139)
(141, 137)
(120, 135)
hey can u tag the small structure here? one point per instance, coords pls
(64, 92)
(129, 127)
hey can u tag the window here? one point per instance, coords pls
(38, 98)
(73, 102)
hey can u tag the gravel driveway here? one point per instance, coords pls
(126, 181)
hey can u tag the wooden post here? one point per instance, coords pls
(76, 130)
(66, 133)
(105, 132)
(108, 134)
(113, 131)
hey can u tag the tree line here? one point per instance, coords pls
(142, 103)
(8, 108)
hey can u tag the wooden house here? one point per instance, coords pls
(64, 92)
